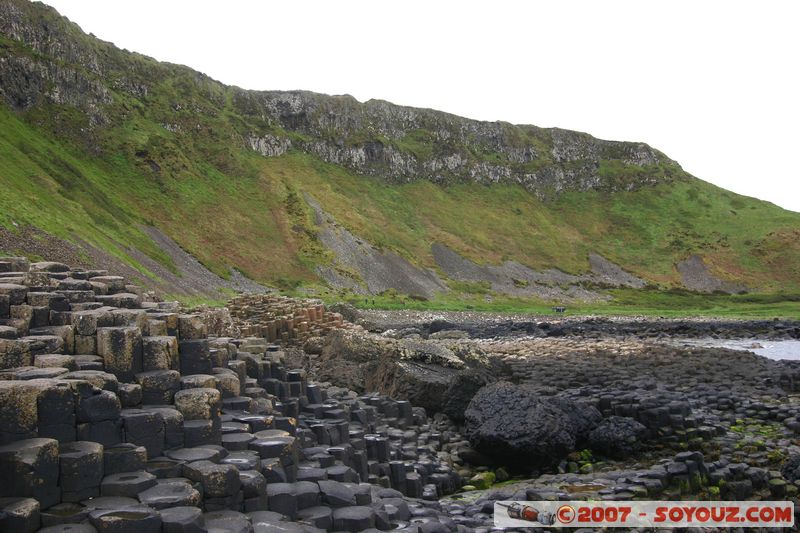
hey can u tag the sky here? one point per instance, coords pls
(715, 85)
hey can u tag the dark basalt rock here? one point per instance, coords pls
(19, 514)
(131, 520)
(617, 436)
(583, 417)
(517, 426)
(462, 389)
(791, 468)
(182, 519)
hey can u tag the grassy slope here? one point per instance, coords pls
(233, 208)
(647, 230)
(251, 219)
(224, 220)
(627, 302)
(45, 186)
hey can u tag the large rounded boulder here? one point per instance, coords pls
(617, 437)
(517, 426)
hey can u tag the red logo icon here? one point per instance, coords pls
(565, 514)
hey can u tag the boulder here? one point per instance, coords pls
(372, 363)
(348, 312)
(519, 427)
(423, 384)
(422, 372)
(347, 358)
(430, 352)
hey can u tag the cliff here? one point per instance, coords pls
(112, 157)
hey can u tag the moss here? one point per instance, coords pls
(683, 485)
(470, 287)
(484, 480)
(776, 456)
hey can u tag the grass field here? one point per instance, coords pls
(626, 303)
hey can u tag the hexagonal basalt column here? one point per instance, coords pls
(198, 404)
(160, 353)
(121, 350)
(81, 470)
(218, 480)
(30, 468)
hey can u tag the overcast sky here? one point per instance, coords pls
(713, 84)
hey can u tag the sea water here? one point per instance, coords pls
(772, 349)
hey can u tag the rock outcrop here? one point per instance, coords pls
(517, 425)
(423, 371)
(278, 318)
(121, 413)
(407, 144)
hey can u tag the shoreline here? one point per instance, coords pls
(480, 324)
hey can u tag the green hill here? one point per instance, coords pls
(295, 189)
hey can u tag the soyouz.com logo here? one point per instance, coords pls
(643, 514)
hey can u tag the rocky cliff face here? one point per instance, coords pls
(405, 144)
(47, 59)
